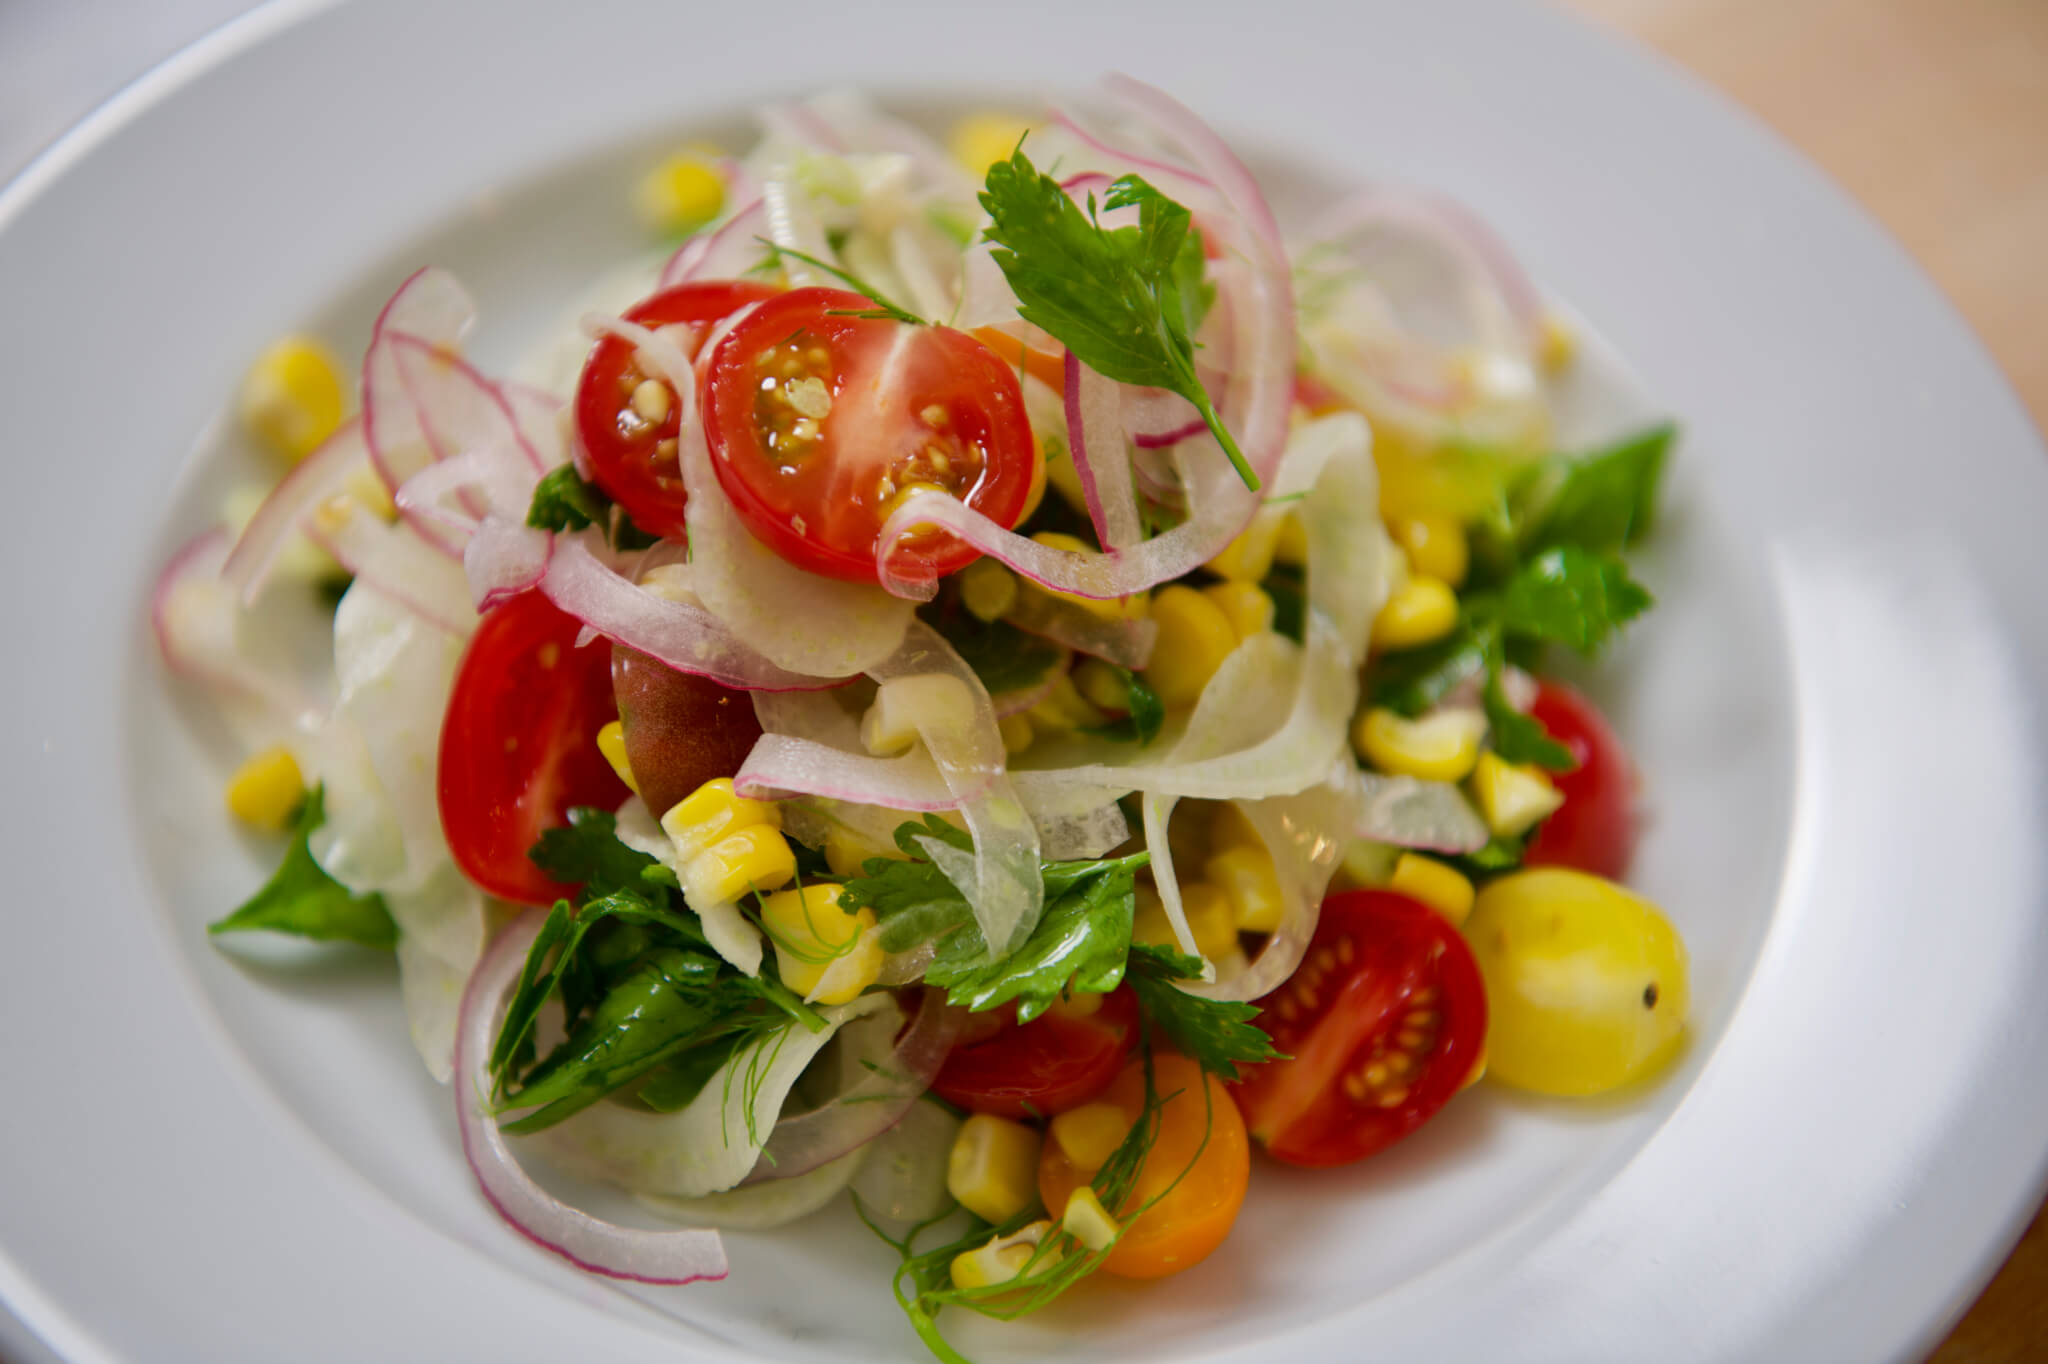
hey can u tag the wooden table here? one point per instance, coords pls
(1935, 114)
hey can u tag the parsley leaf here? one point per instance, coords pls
(1500, 853)
(588, 853)
(563, 500)
(1413, 680)
(1144, 712)
(1519, 737)
(1116, 299)
(302, 899)
(1216, 1034)
(1606, 501)
(1079, 945)
(1569, 596)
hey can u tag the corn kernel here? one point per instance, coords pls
(1512, 796)
(292, 397)
(980, 140)
(1017, 733)
(1292, 546)
(1035, 494)
(680, 195)
(1103, 684)
(1231, 827)
(1002, 1259)
(987, 589)
(1441, 746)
(1251, 885)
(1090, 1134)
(1436, 546)
(1211, 916)
(1249, 558)
(822, 951)
(611, 741)
(1133, 607)
(1421, 611)
(1087, 1221)
(1440, 887)
(1245, 605)
(267, 790)
(902, 704)
(1064, 708)
(847, 852)
(710, 812)
(1194, 639)
(993, 1168)
(753, 859)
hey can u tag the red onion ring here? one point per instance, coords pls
(432, 306)
(311, 481)
(1094, 421)
(197, 638)
(693, 256)
(653, 1257)
(1162, 440)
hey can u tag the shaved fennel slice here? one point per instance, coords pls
(713, 1143)
(1329, 481)
(446, 912)
(761, 1207)
(904, 1178)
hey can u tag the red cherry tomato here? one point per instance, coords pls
(1055, 1062)
(818, 424)
(1595, 829)
(1383, 1021)
(519, 745)
(681, 731)
(632, 458)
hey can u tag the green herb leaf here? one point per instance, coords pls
(1116, 299)
(1216, 1034)
(1079, 945)
(1005, 658)
(1412, 681)
(1569, 596)
(564, 501)
(588, 854)
(1498, 854)
(1144, 712)
(300, 898)
(1518, 737)
(1606, 501)
(883, 308)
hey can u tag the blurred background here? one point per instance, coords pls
(1934, 113)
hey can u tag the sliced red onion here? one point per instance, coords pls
(658, 1257)
(196, 617)
(1160, 440)
(459, 409)
(797, 122)
(720, 253)
(1095, 440)
(317, 477)
(539, 416)
(504, 559)
(1086, 183)
(434, 308)
(1016, 702)
(881, 1087)
(1122, 641)
(1164, 170)
(398, 562)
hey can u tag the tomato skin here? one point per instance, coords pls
(624, 453)
(1380, 968)
(518, 747)
(817, 495)
(681, 731)
(1055, 1062)
(1595, 829)
(1200, 1151)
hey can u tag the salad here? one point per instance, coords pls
(997, 688)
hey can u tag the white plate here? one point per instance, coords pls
(1836, 707)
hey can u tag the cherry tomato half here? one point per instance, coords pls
(681, 731)
(632, 446)
(1595, 829)
(1383, 1021)
(1197, 1169)
(1058, 1060)
(519, 745)
(819, 424)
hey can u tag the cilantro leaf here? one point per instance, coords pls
(588, 853)
(1519, 737)
(1500, 853)
(1115, 299)
(1079, 945)
(1413, 680)
(300, 898)
(1216, 1034)
(1606, 501)
(563, 501)
(1567, 595)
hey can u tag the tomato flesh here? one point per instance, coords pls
(518, 747)
(1595, 829)
(820, 424)
(1055, 1062)
(631, 454)
(681, 731)
(1383, 1021)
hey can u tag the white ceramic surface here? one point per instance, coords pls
(1835, 707)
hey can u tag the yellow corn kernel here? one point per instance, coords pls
(1087, 1221)
(1211, 916)
(993, 1168)
(1557, 345)
(1002, 1259)
(1512, 796)
(1292, 546)
(978, 141)
(749, 860)
(1194, 639)
(1245, 605)
(711, 812)
(1090, 1134)
(846, 852)
(1441, 746)
(902, 704)
(1251, 885)
(1035, 494)
(680, 195)
(822, 951)
(292, 397)
(1444, 889)
(267, 790)
(611, 741)
(1230, 827)
(1420, 611)
(1365, 865)
(1133, 607)
(1249, 558)
(987, 589)
(1017, 733)
(1435, 545)
(1064, 708)
(1102, 684)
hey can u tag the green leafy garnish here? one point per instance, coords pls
(1603, 502)
(1567, 596)
(1216, 1034)
(883, 308)
(1144, 712)
(1005, 658)
(564, 500)
(1119, 300)
(300, 898)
